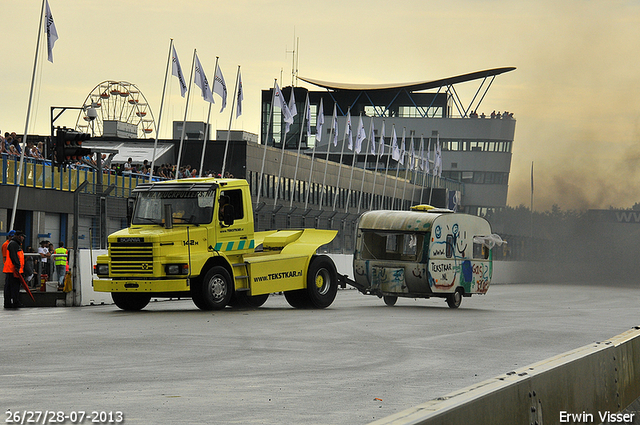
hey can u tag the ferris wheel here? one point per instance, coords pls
(118, 109)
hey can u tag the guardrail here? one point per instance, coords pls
(587, 385)
(42, 174)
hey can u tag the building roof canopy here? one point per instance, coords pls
(411, 87)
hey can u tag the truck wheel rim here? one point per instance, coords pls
(218, 287)
(322, 282)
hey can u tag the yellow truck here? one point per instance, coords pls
(195, 238)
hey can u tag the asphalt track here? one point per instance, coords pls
(352, 363)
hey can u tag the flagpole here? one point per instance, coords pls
(404, 188)
(326, 163)
(164, 88)
(264, 153)
(413, 168)
(433, 173)
(295, 173)
(26, 125)
(353, 165)
(386, 173)
(424, 174)
(235, 94)
(375, 174)
(186, 109)
(313, 154)
(335, 198)
(206, 128)
(532, 199)
(365, 163)
(395, 187)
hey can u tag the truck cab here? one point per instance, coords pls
(195, 238)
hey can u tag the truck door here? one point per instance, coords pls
(235, 236)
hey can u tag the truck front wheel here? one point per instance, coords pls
(130, 301)
(322, 281)
(216, 289)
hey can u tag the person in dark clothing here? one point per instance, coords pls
(12, 267)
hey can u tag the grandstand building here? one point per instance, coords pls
(476, 147)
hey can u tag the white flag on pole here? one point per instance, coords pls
(240, 96)
(203, 83)
(292, 103)
(52, 33)
(360, 136)
(278, 99)
(347, 131)
(307, 117)
(381, 147)
(422, 153)
(220, 87)
(176, 70)
(429, 157)
(427, 165)
(372, 136)
(438, 164)
(335, 125)
(412, 156)
(319, 122)
(395, 152)
(402, 150)
(292, 108)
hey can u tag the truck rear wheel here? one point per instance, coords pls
(298, 298)
(131, 301)
(322, 281)
(215, 290)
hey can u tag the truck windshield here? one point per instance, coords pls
(187, 207)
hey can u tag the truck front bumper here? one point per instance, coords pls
(141, 285)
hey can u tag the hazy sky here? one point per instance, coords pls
(575, 92)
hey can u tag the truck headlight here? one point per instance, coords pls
(102, 269)
(176, 269)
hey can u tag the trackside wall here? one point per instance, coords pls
(597, 379)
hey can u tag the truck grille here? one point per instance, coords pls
(131, 258)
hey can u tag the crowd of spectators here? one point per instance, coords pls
(494, 115)
(11, 144)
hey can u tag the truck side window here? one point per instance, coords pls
(234, 198)
(449, 246)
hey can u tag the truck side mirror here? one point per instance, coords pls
(131, 202)
(168, 216)
(228, 215)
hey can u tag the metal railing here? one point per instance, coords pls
(43, 174)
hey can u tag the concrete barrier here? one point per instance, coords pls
(587, 385)
(87, 296)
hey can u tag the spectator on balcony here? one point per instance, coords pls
(11, 148)
(128, 167)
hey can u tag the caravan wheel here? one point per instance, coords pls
(390, 300)
(454, 300)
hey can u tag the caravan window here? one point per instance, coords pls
(480, 251)
(392, 246)
(449, 246)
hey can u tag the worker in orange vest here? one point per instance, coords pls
(12, 267)
(6, 244)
